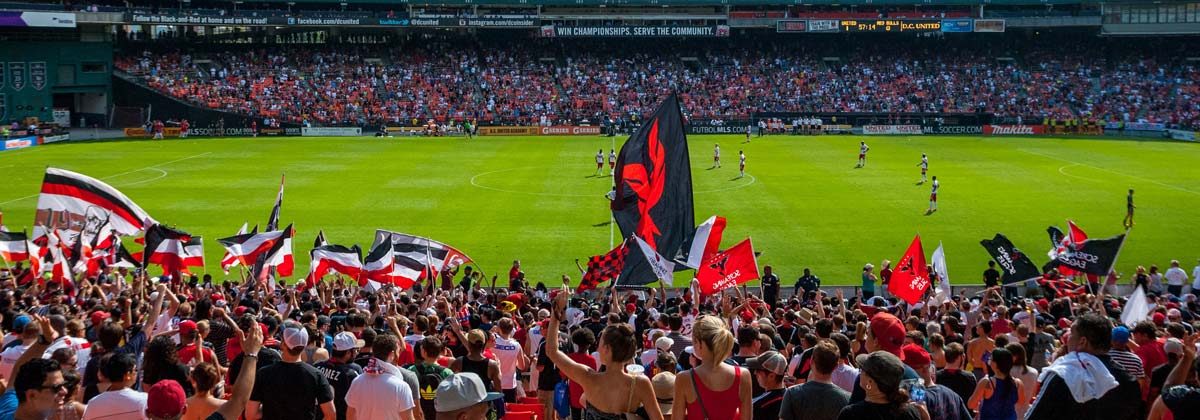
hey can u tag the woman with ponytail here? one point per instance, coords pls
(713, 390)
(997, 394)
(880, 375)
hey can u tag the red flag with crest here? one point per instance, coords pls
(911, 276)
(728, 268)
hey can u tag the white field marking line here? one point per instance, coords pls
(476, 184)
(164, 174)
(1061, 170)
(1174, 187)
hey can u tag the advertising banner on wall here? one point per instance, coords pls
(489, 21)
(509, 131)
(37, 19)
(331, 131)
(953, 129)
(891, 129)
(791, 25)
(570, 130)
(958, 25)
(823, 25)
(989, 25)
(640, 31)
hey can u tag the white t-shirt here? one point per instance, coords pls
(8, 360)
(599, 158)
(649, 356)
(380, 395)
(935, 187)
(413, 340)
(125, 404)
(717, 151)
(508, 351)
(844, 377)
(1195, 280)
(1176, 276)
(924, 163)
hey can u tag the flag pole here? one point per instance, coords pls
(612, 220)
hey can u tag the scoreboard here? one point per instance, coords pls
(890, 25)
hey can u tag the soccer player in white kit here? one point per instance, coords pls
(599, 162)
(924, 166)
(862, 154)
(742, 168)
(717, 151)
(933, 196)
(612, 161)
(748, 134)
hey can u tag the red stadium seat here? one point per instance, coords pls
(520, 415)
(528, 400)
(537, 409)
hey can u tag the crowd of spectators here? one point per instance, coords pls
(123, 345)
(547, 81)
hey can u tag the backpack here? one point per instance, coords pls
(428, 378)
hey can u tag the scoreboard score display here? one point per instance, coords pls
(891, 25)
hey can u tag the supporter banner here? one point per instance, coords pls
(509, 131)
(989, 25)
(20, 143)
(205, 20)
(958, 25)
(1013, 130)
(17, 71)
(823, 25)
(331, 131)
(569, 130)
(494, 21)
(54, 139)
(891, 129)
(37, 19)
(953, 129)
(1183, 135)
(1139, 126)
(37, 74)
(791, 25)
(890, 25)
(717, 127)
(643, 31)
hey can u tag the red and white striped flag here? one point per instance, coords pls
(165, 247)
(705, 242)
(229, 261)
(280, 255)
(378, 267)
(193, 254)
(14, 246)
(68, 197)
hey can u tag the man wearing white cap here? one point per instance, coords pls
(462, 396)
(661, 345)
(768, 369)
(340, 370)
(291, 389)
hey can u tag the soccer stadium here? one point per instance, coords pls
(504, 196)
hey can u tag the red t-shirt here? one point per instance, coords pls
(576, 390)
(1152, 354)
(1000, 327)
(188, 352)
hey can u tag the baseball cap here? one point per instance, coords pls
(1159, 318)
(1173, 346)
(770, 361)
(881, 366)
(97, 317)
(477, 337)
(507, 307)
(888, 332)
(186, 327)
(664, 343)
(1120, 334)
(462, 390)
(344, 341)
(664, 390)
(21, 321)
(914, 355)
(165, 399)
(294, 336)
(630, 307)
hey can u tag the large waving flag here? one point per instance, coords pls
(1136, 308)
(14, 246)
(1016, 265)
(654, 189)
(69, 199)
(193, 254)
(911, 277)
(728, 268)
(663, 268)
(416, 256)
(602, 268)
(165, 247)
(273, 219)
(229, 261)
(334, 258)
(704, 243)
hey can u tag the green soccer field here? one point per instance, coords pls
(536, 198)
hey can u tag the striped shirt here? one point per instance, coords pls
(1128, 361)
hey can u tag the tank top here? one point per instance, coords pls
(1003, 402)
(478, 367)
(724, 404)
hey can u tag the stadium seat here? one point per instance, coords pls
(520, 415)
(528, 400)
(537, 409)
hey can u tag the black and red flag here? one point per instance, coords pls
(165, 247)
(911, 277)
(602, 268)
(68, 199)
(327, 259)
(653, 197)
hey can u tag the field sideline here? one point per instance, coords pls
(536, 199)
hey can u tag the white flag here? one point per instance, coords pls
(663, 269)
(942, 290)
(1136, 309)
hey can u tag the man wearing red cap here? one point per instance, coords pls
(167, 401)
(885, 332)
(942, 402)
(189, 335)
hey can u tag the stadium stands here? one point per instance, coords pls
(542, 81)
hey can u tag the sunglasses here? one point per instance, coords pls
(56, 387)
